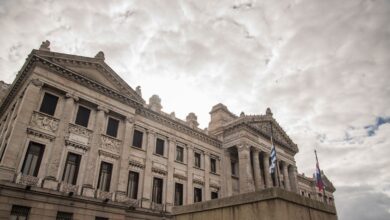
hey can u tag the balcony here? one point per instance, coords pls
(28, 180)
(44, 122)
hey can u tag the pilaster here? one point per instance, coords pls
(256, 167)
(245, 172)
(285, 177)
(227, 177)
(207, 176)
(148, 181)
(267, 175)
(190, 164)
(170, 182)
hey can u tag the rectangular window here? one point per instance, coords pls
(213, 165)
(71, 168)
(214, 195)
(137, 138)
(19, 212)
(49, 104)
(197, 160)
(112, 127)
(157, 190)
(233, 167)
(160, 146)
(179, 154)
(82, 117)
(105, 176)
(100, 218)
(64, 216)
(178, 194)
(197, 195)
(33, 159)
(132, 188)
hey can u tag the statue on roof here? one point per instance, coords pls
(45, 45)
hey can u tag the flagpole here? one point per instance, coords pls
(277, 163)
(323, 188)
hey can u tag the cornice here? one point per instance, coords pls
(154, 116)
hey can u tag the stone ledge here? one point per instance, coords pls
(266, 194)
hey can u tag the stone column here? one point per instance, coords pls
(286, 178)
(190, 164)
(207, 176)
(245, 172)
(52, 175)
(267, 175)
(256, 167)
(148, 180)
(227, 177)
(93, 154)
(17, 138)
(293, 179)
(170, 182)
(120, 194)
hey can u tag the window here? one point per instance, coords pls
(49, 104)
(132, 188)
(233, 166)
(178, 194)
(112, 127)
(100, 218)
(197, 195)
(105, 176)
(157, 190)
(137, 138)
(213, 165)
(33, 158)
(64, 216)
(71, 168)
(179, 154)
(160, 146)
(82, 117)
(214, 195)
(197, 160)
(19, 212)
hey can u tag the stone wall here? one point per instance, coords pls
(270, 204)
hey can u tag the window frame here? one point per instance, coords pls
(77, 114)
(180, 196)
(157, 195)
(15, 211)
(163, 146)
(76, 172)
(181, 160)
(211, 165)
(39, 160)
(117, 127)
(105, 188)
(42, 100)
(196, 165)
(67, 215)
(196, 191)
(142, 138)
(133, 195)
(214, 193)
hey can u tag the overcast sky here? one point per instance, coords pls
(321, 66)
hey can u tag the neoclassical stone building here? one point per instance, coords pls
(77, 142)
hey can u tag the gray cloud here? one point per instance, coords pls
(322, 66)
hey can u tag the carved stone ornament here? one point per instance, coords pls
(66, 187)
(104, 195)
(27, 180)
(80, 130)
(110, 144)
(45, 46)
(100, 55)
(44, 121)
(102, 108)
(72, 96)
(155, 103)
(138, 90)
(37, 82)
(40, 134)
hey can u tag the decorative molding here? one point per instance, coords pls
(80, 130)
(111, 144)
(37, 82)
(40, 134)
(103, 108)
(27, 180)
(159, 171)
(108, 154)
(136, 164)
(44, 121)
(72, 96)
(179, 176)
(104, 195)
(197, 181)
(77, 145)
(66, 187)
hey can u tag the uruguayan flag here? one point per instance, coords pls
(273, 160)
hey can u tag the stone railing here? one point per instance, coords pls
(157, 207)
(44, 121)
(28, 180)
(67, 188)
(80, 130)
(110, 144)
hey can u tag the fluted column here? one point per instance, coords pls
(227, 177)
(190, 164)
(245, 172)
(88, 183)
(286, 178)
(256, 167)
(170, 182)
(17, 138)
(53, 175)
(124, 160)
(267, 175)
(148, 181)
(207, 176)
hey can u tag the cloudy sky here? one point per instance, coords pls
(321, 66)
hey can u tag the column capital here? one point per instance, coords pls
(243, 147)
(130, 119)
(103, 108)
(256, 150)
(71, 95)
(37, 82)
(172, 139)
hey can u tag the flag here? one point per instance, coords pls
(319, 182)
(273, 159)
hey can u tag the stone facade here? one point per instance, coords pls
(230, 157)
